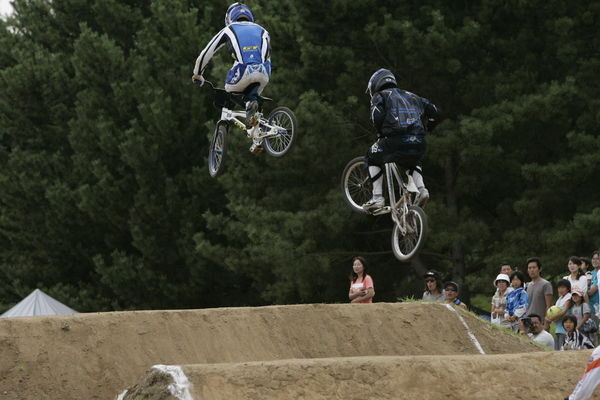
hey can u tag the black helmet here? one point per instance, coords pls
(380, 79)
(432, 274)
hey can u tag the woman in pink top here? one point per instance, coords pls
(361, 284)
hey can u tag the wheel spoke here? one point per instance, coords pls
(357, 186)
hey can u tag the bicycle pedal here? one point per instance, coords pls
(382, 210)
(256, 148)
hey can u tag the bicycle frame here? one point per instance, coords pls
(254, 132)
(232, 116)
(398, 205)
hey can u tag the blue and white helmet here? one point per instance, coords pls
(380, 79)
(238, 11)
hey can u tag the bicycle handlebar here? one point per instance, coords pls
(204, 81)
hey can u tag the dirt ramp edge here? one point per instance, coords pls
(172, 376)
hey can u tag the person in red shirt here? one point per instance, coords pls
(361, 284)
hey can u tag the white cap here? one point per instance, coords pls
(501, 277)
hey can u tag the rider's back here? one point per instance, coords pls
(247, 42)
(403, 112)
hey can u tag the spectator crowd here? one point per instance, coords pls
(527, 306)
(523, 301)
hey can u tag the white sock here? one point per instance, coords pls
(418, 178)
(378, 183)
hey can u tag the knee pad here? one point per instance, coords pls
(415, 168)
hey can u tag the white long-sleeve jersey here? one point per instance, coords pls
(591, 378)
(249, 44)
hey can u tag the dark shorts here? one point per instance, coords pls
(407, 151)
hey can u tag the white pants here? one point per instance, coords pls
(253, 73)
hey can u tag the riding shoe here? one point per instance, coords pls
(374, 204)
(422, 197)
(251, 109)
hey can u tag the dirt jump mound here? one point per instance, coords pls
(384, 350)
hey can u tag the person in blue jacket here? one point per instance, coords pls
(250, 46)
(517, 300)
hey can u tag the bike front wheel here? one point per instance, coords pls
(357, 187)
(407, 245)
(216, 152)
(284, 122)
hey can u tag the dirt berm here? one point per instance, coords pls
(316, 351)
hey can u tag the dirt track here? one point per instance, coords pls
(407, 377)
(96, 356)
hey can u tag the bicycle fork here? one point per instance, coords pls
(399, 209)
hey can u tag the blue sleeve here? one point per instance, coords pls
(523, 299)
(509, 303)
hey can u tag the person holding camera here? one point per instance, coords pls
(533, 327)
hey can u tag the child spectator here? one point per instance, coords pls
(565, 303)
(517, 300)
(574, 339)
(587, 268)
(581, 311)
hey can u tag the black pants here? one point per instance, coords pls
(407, 151)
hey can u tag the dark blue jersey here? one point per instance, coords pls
(395, 112)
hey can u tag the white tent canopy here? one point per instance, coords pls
(38, 303)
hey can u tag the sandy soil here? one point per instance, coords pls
(96, 356)
(507, 376)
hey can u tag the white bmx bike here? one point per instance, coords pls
(275, 134)
(410, 221)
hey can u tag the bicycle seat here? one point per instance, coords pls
(262, 99)
(223, 98)
(241, 95)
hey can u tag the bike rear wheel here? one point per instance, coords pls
(357, 187)
(406, 246)
(284, 121)
(216, 151)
